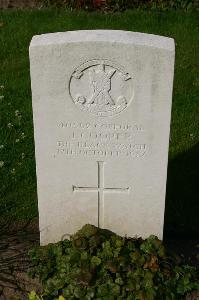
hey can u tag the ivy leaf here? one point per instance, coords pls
(79, 292)
(96, 261)
(61, 298)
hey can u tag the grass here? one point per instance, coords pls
(18, 199)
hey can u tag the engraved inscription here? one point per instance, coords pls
(101, 87)
(78, 148)
(101, 140)
(102, 126)
(101, 190)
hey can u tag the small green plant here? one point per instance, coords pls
(98, 264)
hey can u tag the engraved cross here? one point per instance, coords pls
(101, 190)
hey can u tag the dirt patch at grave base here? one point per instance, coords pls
(15, 283)
(19, 4)
(187, 248)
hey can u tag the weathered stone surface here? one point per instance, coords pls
(101, 105)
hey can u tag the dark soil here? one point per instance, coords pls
(15, 263)
(186, 248)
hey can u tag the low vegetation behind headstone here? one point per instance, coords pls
(103, 5)
(98, 264)
(120, 5)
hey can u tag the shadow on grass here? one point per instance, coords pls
(182, 200)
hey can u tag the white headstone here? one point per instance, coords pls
(102, 106)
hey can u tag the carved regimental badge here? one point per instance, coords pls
(101, 87)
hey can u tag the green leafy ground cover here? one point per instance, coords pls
(98, 264)
(17, 163)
